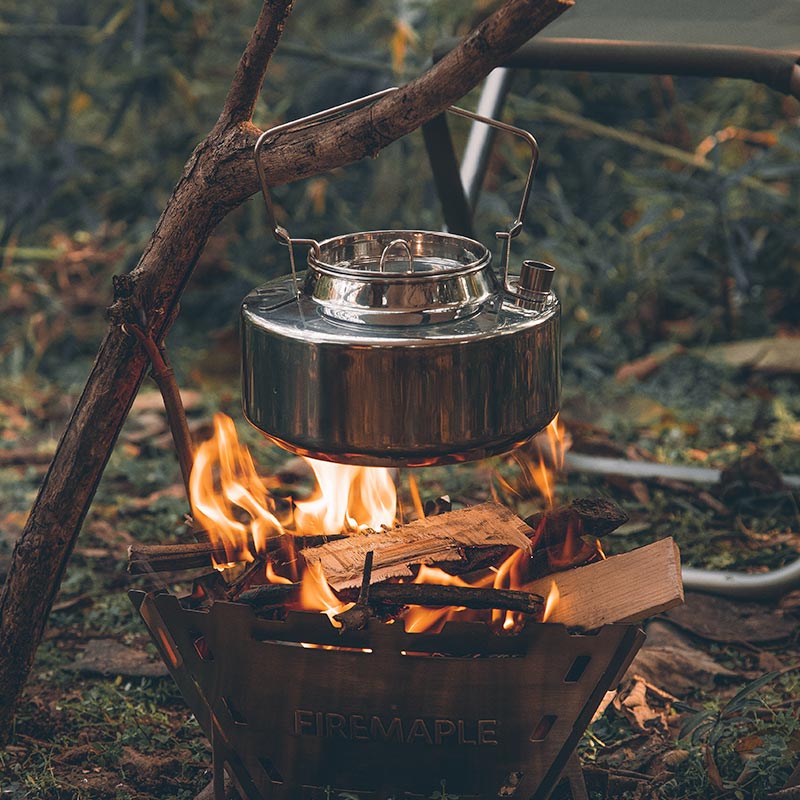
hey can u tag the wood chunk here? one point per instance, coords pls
(431, 540)
(145, 558)
(588, 516)
(624, 588)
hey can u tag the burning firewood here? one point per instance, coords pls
(146, 558)
(461, 541)
(625, 588)
(432, 540)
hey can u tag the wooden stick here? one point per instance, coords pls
(358, 615)
(146, 558)
(624, 588)
(218, 177)
(164, 377)
(434, 595)
(268, 595)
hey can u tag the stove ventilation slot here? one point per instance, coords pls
(543, 728)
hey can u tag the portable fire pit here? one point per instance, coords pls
(395, 348)
(294, 709)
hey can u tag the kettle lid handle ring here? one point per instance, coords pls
(284, 237)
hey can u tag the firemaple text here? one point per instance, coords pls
(373, 728)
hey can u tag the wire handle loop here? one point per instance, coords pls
(396, 244)
(284, 237)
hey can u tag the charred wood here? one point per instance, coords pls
(436, 596)
(268, 595)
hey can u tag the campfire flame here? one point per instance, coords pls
(317, 595)
(350, 499)
(552, 601)
(235, 506)
(540, 466)
(225, 489)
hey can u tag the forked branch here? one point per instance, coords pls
(218, 176)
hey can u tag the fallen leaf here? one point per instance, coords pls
(715, 779)
(608, 698)
(634, 706)
(719, 619)
(73, 602)
(769, 662)
(643, 367)
(776, 355)
(668, 660)
(751, 475)
(790, 601)
(747, 744)
(675, 757)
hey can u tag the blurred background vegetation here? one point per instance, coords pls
(668, 260)
(103, 102)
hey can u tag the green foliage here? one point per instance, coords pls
(744, 748)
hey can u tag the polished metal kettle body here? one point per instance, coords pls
(401, 347)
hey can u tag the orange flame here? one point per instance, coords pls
(225, 489)
(552, 601)
(232, 503)
(350, 498)
(551, 448)
(317, 595)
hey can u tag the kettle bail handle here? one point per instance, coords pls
(284, 237)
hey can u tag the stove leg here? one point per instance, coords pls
(573, 772)
(217, 763)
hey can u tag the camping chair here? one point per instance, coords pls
(745, 39)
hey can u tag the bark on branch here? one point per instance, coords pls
(219, 176)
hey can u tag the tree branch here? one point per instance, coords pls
(219, 175)
(246, 87)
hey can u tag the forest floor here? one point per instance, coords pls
(709, 709)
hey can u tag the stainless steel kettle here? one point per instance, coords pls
(401, 347)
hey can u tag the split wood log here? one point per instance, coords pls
(432, 540)
(589, 516)
(147, 558)
(218, 177)
(564, 537)
(625, 588)
(592, 517)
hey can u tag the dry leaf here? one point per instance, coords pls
(712, 770)
(643, 367)
(637, 710)
(776, 355)
(719, 619)
(670, 661)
